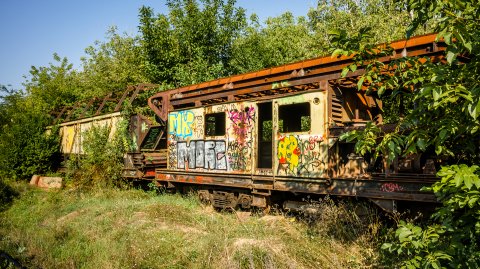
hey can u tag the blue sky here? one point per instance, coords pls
(31, 31)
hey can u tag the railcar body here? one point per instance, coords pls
(244, 152)
(274, 135)
(248, 138)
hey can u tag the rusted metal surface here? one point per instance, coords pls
(97, 106)
(408, 190)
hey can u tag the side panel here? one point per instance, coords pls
(192, 147)
(241, 136)
(301, 153)
(72, 133)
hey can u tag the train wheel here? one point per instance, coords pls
(245, 201)
(204, 197)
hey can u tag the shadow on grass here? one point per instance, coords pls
(7, 261)
(7, 194)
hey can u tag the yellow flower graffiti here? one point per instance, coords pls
(288, 151)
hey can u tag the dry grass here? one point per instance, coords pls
(134, 229)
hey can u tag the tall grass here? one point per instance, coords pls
(134, 229)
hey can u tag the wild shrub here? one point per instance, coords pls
(452, 240)
(100, 164)
(25, 148)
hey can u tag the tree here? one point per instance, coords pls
(112, 65)
(54, 86)
(283, 39)
(25, 149)
(387, 19)
(193, 43)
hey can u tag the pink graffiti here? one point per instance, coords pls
(391, 187)
(242, 121)
(313, 141)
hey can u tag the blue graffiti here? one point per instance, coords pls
(181, 123)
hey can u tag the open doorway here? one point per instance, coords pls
(265, 136)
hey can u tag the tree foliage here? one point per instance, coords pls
(453, 241)
(53, 86)
(112, 65)
(193, 43)
(440, 104)
(440, 101)
(281, 40)
(25, 149)
(386, 19)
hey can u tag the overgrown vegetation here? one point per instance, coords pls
(25, 148)
(100, 165)
(134, 229)
(453, 240)
(439, 106)
(436, 107)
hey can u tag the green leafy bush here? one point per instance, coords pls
(453, 239)
(101, 163)
(25, 148)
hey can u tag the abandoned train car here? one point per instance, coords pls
(245, 139)
(273, 135)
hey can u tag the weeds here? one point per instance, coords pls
(135, 229)
(101, 163)
(344, 220)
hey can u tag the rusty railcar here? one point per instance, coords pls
(245, 139)
(74, 121)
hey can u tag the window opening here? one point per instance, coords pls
(215, 124)
(294, 118)
(150, 140)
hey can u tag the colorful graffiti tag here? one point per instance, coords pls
(242, 123)
(207, 154)
(391, 187)
(288, 152)
(300, 157)
(181, 123)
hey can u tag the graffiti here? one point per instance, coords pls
(391, 187)
(180, 123)
(288, 152)
(198, 128)
(237, 156)
(222, 108)
(314, 141)
(300, 157)
(242, 123)
(208, 154)
(281, 84)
